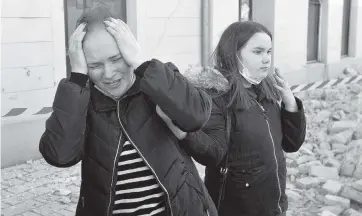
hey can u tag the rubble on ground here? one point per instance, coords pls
(326, 173)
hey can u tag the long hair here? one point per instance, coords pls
(224, 58)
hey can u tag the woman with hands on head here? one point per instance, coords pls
(105, 116)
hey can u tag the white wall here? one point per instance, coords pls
(33, 53)
(331, 31)
(169, 30)
(290, 29)
(356, 29)
(224, 13)
(33, 62)
(290, 34)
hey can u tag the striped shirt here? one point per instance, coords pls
(137, 190)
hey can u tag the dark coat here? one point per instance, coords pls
(87, 126)
(256, 179)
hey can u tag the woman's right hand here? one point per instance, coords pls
(175, 130)
(76, 54)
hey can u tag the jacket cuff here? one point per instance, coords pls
(78, 78)
(188, 141)
(293, 115)
(188, 137)
(140, 71)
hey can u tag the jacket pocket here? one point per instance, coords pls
(244, 178)
(244, 186)
(246, 165)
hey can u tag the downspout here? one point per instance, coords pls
(206, 31)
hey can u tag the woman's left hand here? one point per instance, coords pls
(286, 93)
(127, 44)
(175, 130)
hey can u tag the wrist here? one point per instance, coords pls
(291, 105)
(182, 136)
(78, 78)
(141, 69)
(80, 70)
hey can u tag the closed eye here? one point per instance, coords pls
(93, 66)
(116, 59)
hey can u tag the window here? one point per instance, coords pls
(74, 8)
(313, 30)
(345, 27)
(245, 10)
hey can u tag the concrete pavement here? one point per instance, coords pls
(38, 189)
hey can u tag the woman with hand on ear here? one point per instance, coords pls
(131, 163)
(251, 125)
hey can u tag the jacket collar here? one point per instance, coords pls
(260, 95)
(103, 103)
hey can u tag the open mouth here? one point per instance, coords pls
(114, 83)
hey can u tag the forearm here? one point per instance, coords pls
(188, 107)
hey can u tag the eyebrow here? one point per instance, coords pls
(93, 63)
(110, 58)
(261, 48)
(115, 56)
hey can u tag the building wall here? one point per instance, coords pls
(169, 33)
(356, 29)
(290, 34)
(291, 48)
(32, 56)
(223, 14)
(331, 34)
(32, 51)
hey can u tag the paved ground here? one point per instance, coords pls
(37, 189)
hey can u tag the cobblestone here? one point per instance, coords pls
(29, 214)
(5, 194)
(18, 198)
(13, 181)
(20, 208)
(4, 205)
(65, 212)
(29, 190)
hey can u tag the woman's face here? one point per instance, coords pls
(256, 55)
(106, 67)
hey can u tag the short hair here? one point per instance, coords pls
(94, 17)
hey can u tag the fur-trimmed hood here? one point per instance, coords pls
(212, 81)
(207, 78)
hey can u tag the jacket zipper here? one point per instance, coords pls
(154, 173)
(114, 165)
(275, 156)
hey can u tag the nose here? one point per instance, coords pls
(109, 71)
(266, 58)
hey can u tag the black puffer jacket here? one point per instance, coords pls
(256, 179)
(87, 126)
